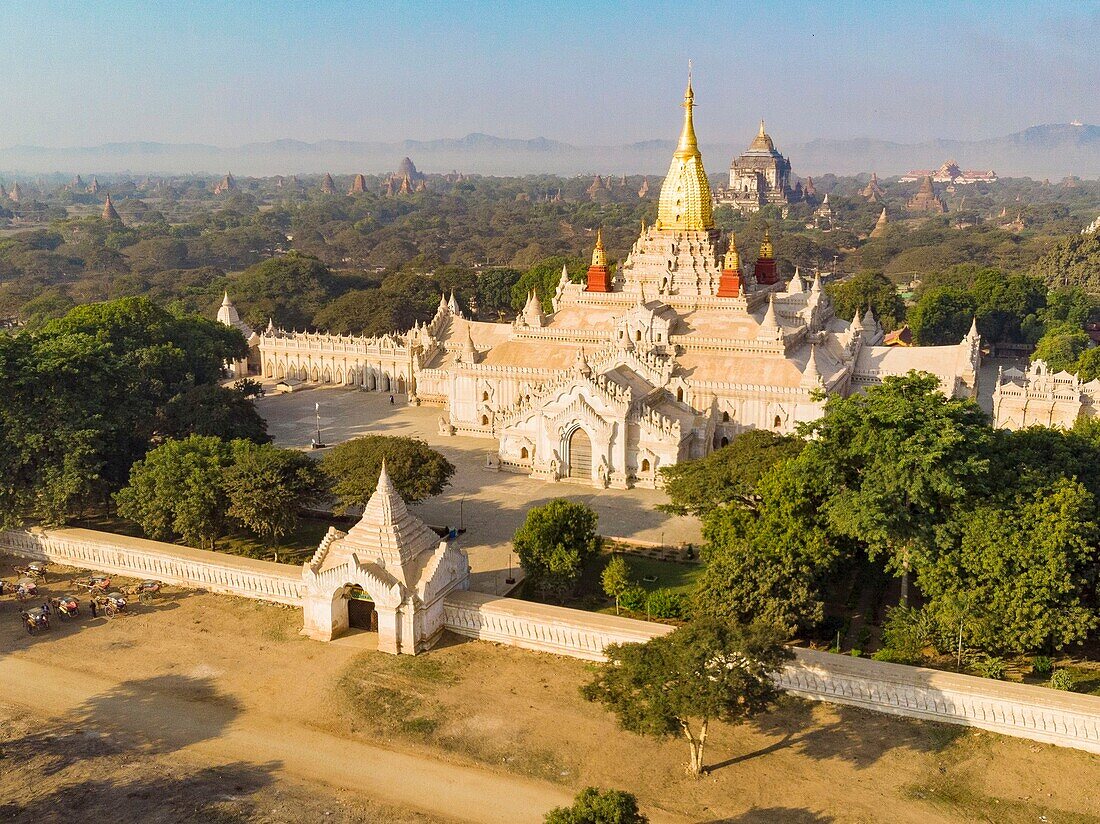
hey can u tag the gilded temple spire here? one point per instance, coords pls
(685, 202)
(599, 253)
(688, 146)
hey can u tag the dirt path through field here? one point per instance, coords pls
(204, 730)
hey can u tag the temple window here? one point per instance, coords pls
(725, 442)
(645, 464)
(485, 420)
(778, 422)
(637, 335)
(523, 453)
(485, 396)
(680, 396)
(725, 417)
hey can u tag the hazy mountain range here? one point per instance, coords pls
(1053, 151)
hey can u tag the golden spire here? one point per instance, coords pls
(766, 250)
(685, 203)
(599, 254)
(733, 257)
(762, 133)
(688, 146)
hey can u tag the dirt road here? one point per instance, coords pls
(211, 735)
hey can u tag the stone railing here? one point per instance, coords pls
(1021, 710)
(140, 558)
(1024, 711)
(542, 627)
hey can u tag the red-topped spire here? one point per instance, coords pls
(599, 278)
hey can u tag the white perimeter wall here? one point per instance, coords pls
(140, 558)
(1036, 713)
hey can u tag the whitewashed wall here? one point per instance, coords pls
(1024, 711)
(140, 558)
(1036, 713)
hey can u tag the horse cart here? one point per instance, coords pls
(110, 604)
(36, 570)
(66, 606)
(36, 619)
(145, 592)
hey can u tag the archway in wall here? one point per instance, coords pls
(580, 455)
(361, 611)
(400, 386)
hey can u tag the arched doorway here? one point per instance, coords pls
(361, 611)
(580, 455)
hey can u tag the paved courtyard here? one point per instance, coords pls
(491, 505)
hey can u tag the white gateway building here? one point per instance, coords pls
(665, 358)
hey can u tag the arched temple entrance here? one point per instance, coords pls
(580, 455)
(361, 611)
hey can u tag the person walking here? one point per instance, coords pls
(391, 400)
(95, 612)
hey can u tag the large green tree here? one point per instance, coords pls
(417, 470)
(676, 684)
(267, 488)
(893, 465)
(554, 543)
(1024, 568)
(84, 396)
(868, 289)
(771, 561)
(178, 491)
(727, 475)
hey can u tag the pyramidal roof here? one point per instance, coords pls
(388, 533)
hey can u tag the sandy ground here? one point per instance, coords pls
(203, 707)
(491, 505)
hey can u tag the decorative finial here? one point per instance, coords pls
(762, 132)
(689, 145)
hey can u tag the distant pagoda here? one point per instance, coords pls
(227, 184)
(358, 186)
(109, 213)
(926, 200)
(880, 225)
(327, 186)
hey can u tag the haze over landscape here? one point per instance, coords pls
(196, 88)
(422, 413)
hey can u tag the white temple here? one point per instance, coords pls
(665, 358)
(390, 573)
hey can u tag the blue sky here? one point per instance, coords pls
(585, 72)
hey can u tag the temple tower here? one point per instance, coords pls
(765, 270)
(599, 278)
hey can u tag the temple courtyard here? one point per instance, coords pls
(212, 708)
(490, 505)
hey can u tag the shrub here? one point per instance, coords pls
(1041, 665)
(633, 599)
(906, 631)
(665, 604)
(595, 806)
(989, 666)
(1061, 680)
(894, 656)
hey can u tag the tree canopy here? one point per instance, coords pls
(554, 543)
(418, 471)
(676, 684)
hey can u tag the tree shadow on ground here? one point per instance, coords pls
(143, 717)
(856, 736)
(775, 815)
(219, 793)
(101, 758)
